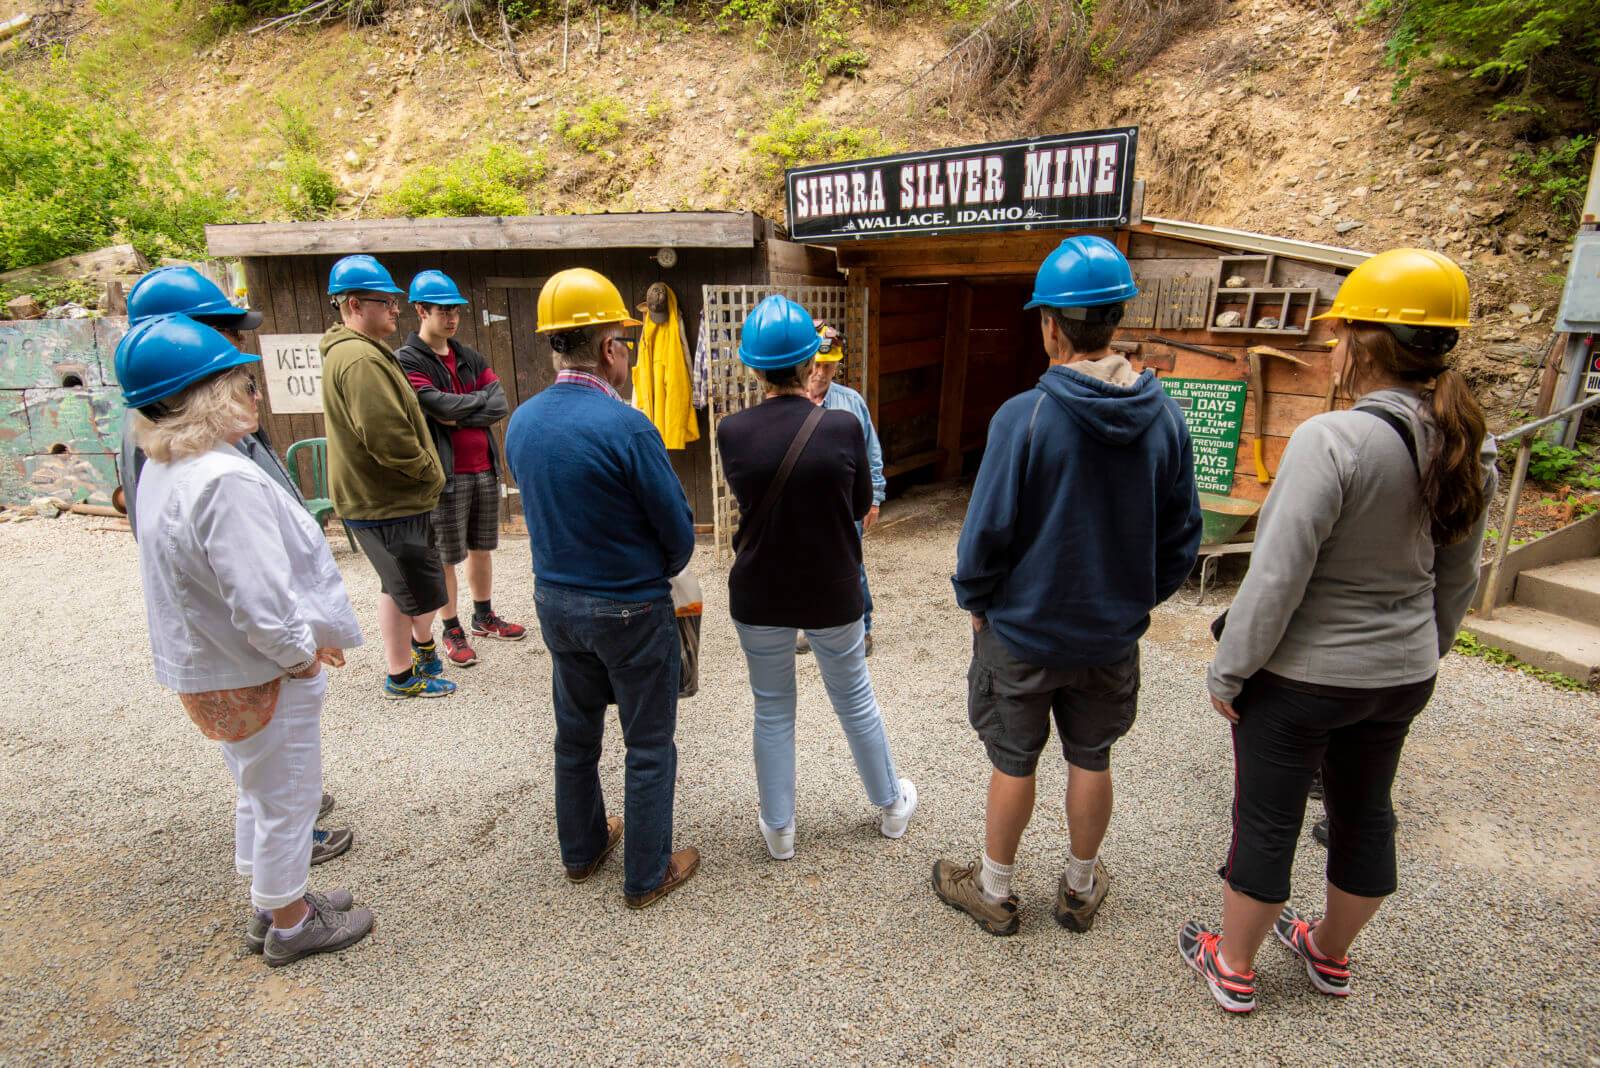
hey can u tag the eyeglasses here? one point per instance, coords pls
(250, 386)
(392, 303)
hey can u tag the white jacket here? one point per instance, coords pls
(239, 584)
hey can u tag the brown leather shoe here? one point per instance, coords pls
(681, 867)
(613, 836)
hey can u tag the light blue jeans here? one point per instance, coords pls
(841, 656)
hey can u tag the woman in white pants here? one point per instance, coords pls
(245, 606)
(801, 476)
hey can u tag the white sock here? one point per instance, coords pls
(994, 880)
(290, 932)
(1080, 873)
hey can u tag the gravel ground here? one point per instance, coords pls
(120, 917)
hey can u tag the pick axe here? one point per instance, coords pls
(1257, 385)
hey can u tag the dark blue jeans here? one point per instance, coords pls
(607, 652)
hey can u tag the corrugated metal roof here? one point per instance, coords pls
(1245, 241)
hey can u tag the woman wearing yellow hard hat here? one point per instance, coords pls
(1365, 560)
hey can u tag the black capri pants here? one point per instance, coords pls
(1286, 731)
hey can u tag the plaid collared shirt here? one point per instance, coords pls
(584, 378)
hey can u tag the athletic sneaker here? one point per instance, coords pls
(456, 648)
(1234, 991)
(802, 644)
(427, 663)
(325, 845)
(417, 686)
(897, 817)
(957, 886)
(1319, 832)
(326, 806)
(869, 645)
(492, 626)
(1076, 911)
(1328, 974)
(780, 840)
(325, 930)
(255, 932)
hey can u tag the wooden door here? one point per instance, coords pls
(506, 326)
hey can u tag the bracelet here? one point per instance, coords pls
(304, 665)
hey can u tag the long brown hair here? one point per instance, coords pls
(1452, 480)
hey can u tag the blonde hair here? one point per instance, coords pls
(205, 415)
(786, 378)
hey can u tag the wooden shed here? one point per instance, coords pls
(500, 264)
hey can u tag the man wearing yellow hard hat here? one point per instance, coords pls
(823, 390)
(1366, 557)
(608, 526)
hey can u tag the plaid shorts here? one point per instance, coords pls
(468, 516)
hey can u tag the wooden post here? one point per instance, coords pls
(953, 384)
(874, 349)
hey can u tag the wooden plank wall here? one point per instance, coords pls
(288, 290)
(910, 281)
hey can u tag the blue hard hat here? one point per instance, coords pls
(166, 355)
(1084, 272)
(360, 273)
(434, 287)
(166, 290)
(778, 333)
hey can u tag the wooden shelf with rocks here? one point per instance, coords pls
(1246, 302)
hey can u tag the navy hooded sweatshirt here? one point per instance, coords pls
(1084, 517)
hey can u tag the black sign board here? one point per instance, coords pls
(1078, 180)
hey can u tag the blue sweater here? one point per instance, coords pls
(606, 514)
(1081, 525)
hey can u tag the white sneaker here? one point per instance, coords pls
(780, 840)
(897, 817)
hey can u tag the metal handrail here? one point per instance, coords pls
(1519, 476)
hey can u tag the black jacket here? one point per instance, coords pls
(803, 567)
(480, 407)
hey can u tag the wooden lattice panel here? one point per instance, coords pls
(732, 388)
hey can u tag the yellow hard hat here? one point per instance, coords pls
(832, 350)
(1410, 286)
(580, 297)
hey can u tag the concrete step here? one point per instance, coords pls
(1570, 589)
(1545, 640)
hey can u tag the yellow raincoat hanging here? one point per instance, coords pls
(661, 386)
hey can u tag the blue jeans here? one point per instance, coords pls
(842, 657)
(606, 652)
(866, 593)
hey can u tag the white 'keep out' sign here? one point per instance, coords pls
(292, 364)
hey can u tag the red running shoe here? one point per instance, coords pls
(492, 626)
(1328, 974)
(1233, 991)
(456, 648)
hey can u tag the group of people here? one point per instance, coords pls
(1083, 518)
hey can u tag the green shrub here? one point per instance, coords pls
(790, 141)
(49, 292)
(593, 125)
(491, 181)
(1558, 175)
(1523, 47)
(305, 189)
(78, 177)
(1551, 462)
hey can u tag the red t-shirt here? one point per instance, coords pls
(470, 444)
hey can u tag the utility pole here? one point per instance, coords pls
(1579, 316)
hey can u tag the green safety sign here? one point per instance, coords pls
(1214, 410)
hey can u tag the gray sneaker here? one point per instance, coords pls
(325, 931)
(325, 845)
(255, 932)
(326, 806)
(1076, 912)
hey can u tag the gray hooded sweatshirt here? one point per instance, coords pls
(1346, 587)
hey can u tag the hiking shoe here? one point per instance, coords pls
(1076, 911)
(1331, 975)
(456, 648)
(897, 817)
(492, 626)
(957, 887)
(326, 806)
(613, 836)
(681, 867)
(427, 663)
(1315, 792)
(802, 644)
(780, 840)
(869, 645)
(1319, 831)
(326, 930)
(255, 932)
(1233, 991)
(325, 845)
(417, 686)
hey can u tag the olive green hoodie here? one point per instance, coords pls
(381, 459)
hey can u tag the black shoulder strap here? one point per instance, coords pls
(747, 530)
(1400, 427)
